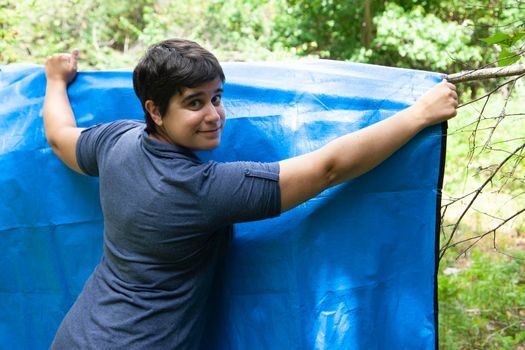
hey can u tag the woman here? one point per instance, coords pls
(168, 216)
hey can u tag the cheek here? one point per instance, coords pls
(189, 120)
(181, 123)
(221, 112)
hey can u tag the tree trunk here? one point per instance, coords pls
(366, 32)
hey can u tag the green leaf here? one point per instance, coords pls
(517, 37)
(507, 57)
(496, 38)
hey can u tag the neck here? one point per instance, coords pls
(160, 135)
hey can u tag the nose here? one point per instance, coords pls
(213, 114)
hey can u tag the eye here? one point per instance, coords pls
(216, 100)
(195, 104)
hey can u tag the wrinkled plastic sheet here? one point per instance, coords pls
(353, 268)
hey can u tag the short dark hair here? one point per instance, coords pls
(167, 68)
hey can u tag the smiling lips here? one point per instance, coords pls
(208, 132)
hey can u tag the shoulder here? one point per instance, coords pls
(98, 140)
(109, 132)
(115, 126)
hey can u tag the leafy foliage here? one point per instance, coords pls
(325, 28)
(416, 39)
(508, 44)
(483, 304)
(433, 35)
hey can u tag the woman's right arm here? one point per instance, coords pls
(349, 156)
(59, 121)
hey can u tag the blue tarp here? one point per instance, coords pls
(353, 268)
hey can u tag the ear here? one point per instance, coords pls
(153, 112)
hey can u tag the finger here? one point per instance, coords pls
(74, 58)
(63, 56)
(451, 86)
(454, 96)
(54, 58)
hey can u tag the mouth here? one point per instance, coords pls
(210, 132)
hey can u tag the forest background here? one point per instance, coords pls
(482, 266)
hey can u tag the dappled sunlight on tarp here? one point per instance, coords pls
(353, 268)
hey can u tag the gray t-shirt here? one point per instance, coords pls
(167, 221)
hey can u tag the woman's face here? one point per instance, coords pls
(195, 117)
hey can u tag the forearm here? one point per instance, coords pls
(355, 154)
(344, 158)
(349, 156)
(57, 110)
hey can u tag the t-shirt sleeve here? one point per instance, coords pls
(240, 191)
(94, 141)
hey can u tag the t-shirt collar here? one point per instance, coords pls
(163, 149)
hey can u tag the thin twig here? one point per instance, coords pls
(500, 116)
(481, 236)
(478, 192)
(493, 91)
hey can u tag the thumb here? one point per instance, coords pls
(74, 59)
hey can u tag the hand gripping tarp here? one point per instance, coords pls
(353, 268)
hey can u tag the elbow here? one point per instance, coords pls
(52, 141)
(335, 173)
(332, 178)
(331, 175)
(325, 170)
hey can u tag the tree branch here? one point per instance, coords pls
(449, 243)
(479, 237)
(487, 73)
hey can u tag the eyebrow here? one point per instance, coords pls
(198, 94)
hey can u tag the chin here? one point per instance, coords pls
(209, 146)
(217, 144)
